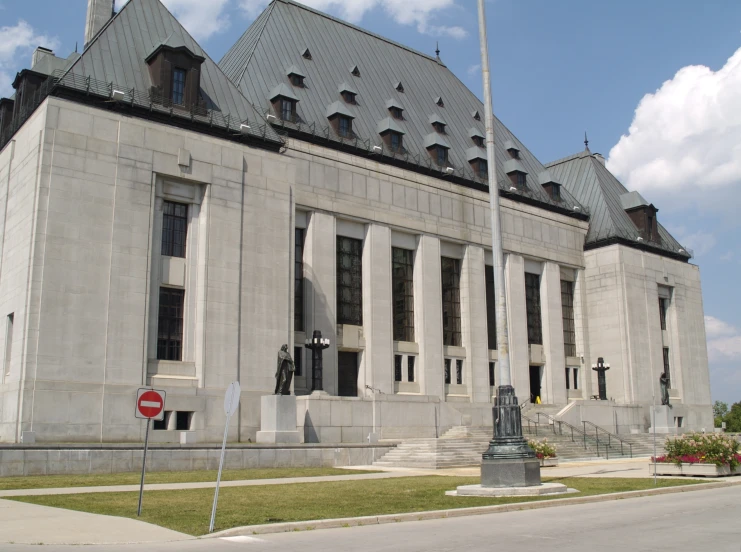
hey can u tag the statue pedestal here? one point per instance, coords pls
(662, 418)
(278, 420)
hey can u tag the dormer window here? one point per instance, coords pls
(354, 71)
(399, 87)
(514, 153)
(440, 154)
(439, 127)
(306, 54)
(643, 215)
(478, 140)
(175, 72)
(340, 118)
(439, 102)
(297, 80)
(395, 142)
(348, 96)
(554, 190)
(476, 115)
(287, 109)
(284, 103)
(396, 113)
(178, 86)
(482, 168)
(344, 126)
(518, 180)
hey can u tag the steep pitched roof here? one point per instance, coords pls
(587, 178)
(118, 52)
(276, 40)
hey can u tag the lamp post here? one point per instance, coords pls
(601, 368)
(316, 345)
(509, 461)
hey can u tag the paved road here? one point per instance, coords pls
(700, 520)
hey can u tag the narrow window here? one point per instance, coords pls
(298, 282)
(491, 308)
(163, 423)
(439, 127)
(556, 192)
(298, 361)
(477, 115)
(349, 97)
(451, 277)
(8, 342)
(400, 87)
(402, 276)
(482, 169)
(182, 421)
(395, 141)
(344, 126)
(349, 281)
(666, 368)
(396, 113)
(576, 378)
(398, 359)
(441, 155)
(170, 324)
(440, 102)
(479, 141)
(567, 315)
(568, 378)
(492, 366)
(447, 370)
(662, 312)
(178, 86)
(410, 368)
(532, 300)
(650, 227)
(297, 80)
(174, 229)
(287, 109)
(459, 371)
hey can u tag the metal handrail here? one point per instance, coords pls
(529, 422)
(553, 422)
(610, 437)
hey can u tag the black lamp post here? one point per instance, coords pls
(316, 345)
(601, 368)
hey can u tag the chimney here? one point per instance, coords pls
(99, 12)
(39, 54)
(598, 157)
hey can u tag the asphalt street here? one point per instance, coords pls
(700, 520)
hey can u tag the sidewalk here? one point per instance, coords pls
(31, 524)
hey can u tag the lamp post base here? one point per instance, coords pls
(510, 472)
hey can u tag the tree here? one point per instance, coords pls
(720, 411)
(733, 418)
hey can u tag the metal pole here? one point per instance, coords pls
(218, 477)
(653, 408)
(144, 463)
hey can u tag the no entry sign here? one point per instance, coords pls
(150, 404)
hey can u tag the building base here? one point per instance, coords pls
(539, 490)
(278, 437)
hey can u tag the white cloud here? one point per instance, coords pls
(200, 18)
(407, 12)
(474, 69)
(724, 340)
(686, 137)
(727, 256)
(699, 242)
(15, 42)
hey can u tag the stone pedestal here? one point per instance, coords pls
(662, 419)
(510, 472)
(278, 420)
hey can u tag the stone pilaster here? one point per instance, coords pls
(429, 315)
(473, 324)
(519, 353)
(554, 379)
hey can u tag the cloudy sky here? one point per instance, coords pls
(657, 86)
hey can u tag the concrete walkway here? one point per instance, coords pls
(31, 524)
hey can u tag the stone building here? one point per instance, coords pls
(168, 221)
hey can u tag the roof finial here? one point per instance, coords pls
(437, 49)
(586, 141)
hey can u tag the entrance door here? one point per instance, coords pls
(347, 374)
(535, 377)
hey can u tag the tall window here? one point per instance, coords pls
(482, 169)
(174, 229)
(8, 343)
(286, 109)
(662, 311)
(491, 308)
(447, 369)
(402, 275)
(441, 155)
(459, 371)
(410, 368)
(170, 324)
(298, 282)
(567, 313)
(451, 280)
(178, 86)
(344, 126)
(349, 281)
(568, 376)
(398, 359)
(492, 367)
(532, 300)
(298, 361)
(666, 368)
(395, 141)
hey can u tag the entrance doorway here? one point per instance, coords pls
(347, 374)
(535, 388)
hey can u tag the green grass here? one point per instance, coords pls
(188, 511)
(133, 478)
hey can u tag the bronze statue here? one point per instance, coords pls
(664, 383)
(284, 375)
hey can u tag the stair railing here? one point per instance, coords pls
(610, 437)
(530, 424)
(577, 435)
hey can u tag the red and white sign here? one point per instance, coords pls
(150, 404)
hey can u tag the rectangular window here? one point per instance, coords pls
(483, 169)
(8, 343)
(576, 378)
(441, 155)
(182, 421)
(568, 378)
(349, 281)
(532, 300)
(567, 314)
(286, 109)
(174, 228)
(395, 141)
(491, 308)
(397, 367)
(451, 278)
(170, 324)
(518, 180)
(410, 368)
(662, 311)
(459, 371)
(447, 370)
(163, 423)
(492, 373)
(402, 276)
(344, 126)
(178, 86)
(298, 282)
(298, 361)
(666, 368)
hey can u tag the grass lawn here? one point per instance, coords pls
(133, 478)
(188, 511)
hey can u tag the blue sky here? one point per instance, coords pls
(657, 85)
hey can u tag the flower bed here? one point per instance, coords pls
(705, 454)
(545, 452)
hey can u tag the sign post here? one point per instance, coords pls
(231, 402)
(150, 405)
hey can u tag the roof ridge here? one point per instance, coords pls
(257, 40)
(357, 28)
(566, 159)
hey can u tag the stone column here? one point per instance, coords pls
(428, 309)
(377, 311)
(519, 353)
(473, 324)
(551, 312)
(320, 287)
(582, 333)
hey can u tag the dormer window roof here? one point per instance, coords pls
(512, 149)
(477, 136)
(517, 173)
(347, 92)
(475, 153)
(643, 215)
(435, 139)
(437, 122)
(475, 114)
(389, 125)
(439, 101)
(341, 119)
(306, 54)
(392, 134)
(397, 112)
(175, 71)
(550, 185)
(282, 91)
(399, 87)
(338, 108)
(296, 76)
(354, 71)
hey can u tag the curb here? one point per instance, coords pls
(250, 530)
